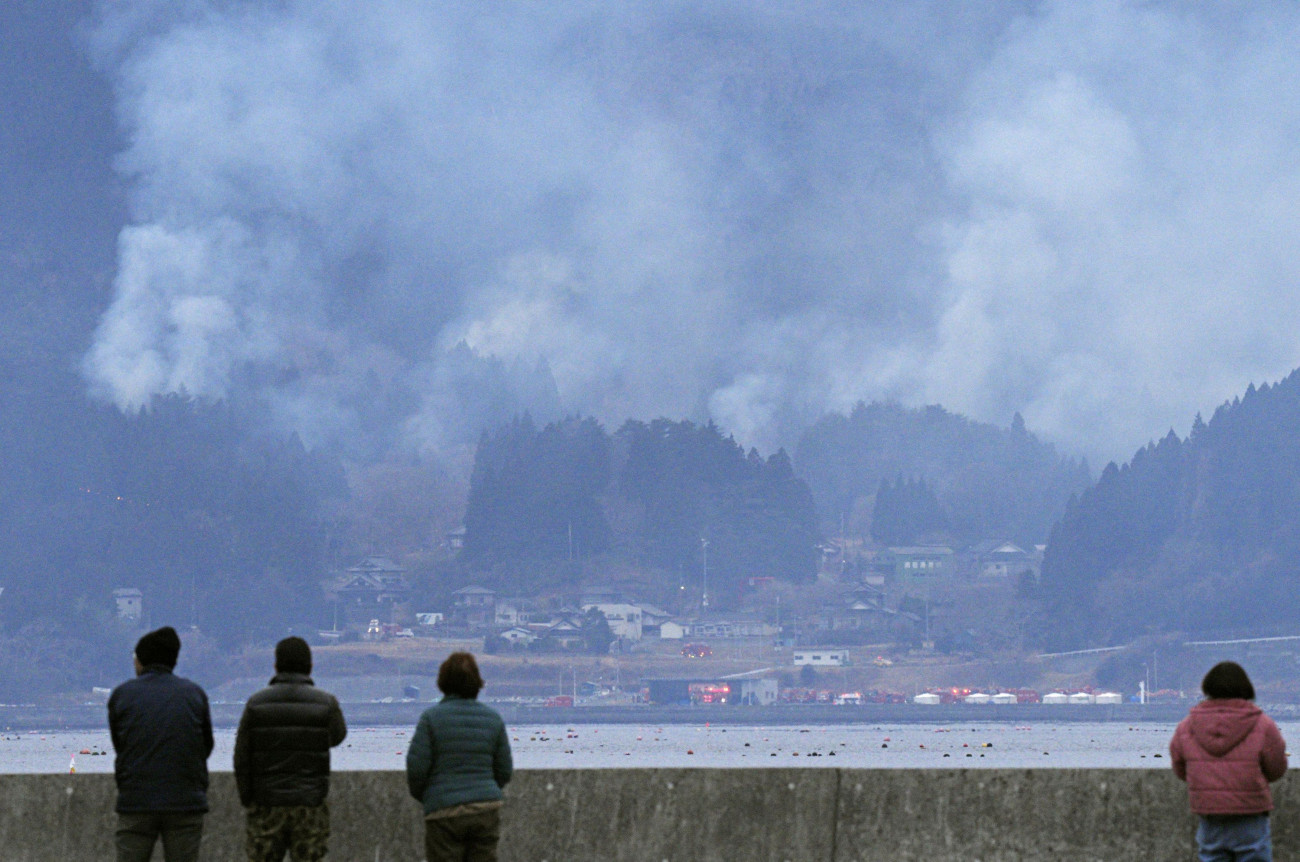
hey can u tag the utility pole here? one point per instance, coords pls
(704, 601)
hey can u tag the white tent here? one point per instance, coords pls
(1110, 697)
(977, 697)
(1081, 697)
(926, 697)
(1005, 697)
(1056, 697)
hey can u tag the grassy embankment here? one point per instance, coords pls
(544, 674)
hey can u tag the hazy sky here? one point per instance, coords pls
(745, 211)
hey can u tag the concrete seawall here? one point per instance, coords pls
(701, 815)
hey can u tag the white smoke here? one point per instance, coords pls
(744, 211)
(1121, 260)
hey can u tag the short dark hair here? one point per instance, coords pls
(459, 676)
(1227, 679)
(160, 646)
(292, 655)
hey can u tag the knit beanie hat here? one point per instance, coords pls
(160, 646)
(292, 655)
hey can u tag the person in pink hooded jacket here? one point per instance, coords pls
(1228, 750)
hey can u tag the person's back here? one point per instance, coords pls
(458, 762)
(468, 737)
(282, 760)
(1228, 751)
(161, 729)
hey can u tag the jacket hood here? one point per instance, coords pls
(1219, 726)
(290, 678)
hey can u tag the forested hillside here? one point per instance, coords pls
(219, 524)
(650, 495)
(1198, 535)
(986, 482)
(219, 527)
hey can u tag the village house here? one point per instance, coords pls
(455, 539)
(512, 611)
(732, 628)
(673, 630)
(474, 606)
(999, 559)
(129, 604)
(517, 636)
(624, 619)
(372, 589)
(863, 617)
(921, 563)
(563, 633)
(652, 618)
(821, 657)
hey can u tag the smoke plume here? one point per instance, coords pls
(419, 216)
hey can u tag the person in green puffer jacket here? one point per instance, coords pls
(458, 761)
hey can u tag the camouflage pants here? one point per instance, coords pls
(301, 831)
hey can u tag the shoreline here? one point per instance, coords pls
(372, 714)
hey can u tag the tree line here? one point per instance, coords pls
(675, 497)
(1199, 535)
(903, 474)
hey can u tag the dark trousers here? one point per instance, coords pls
(180, 833)
(467, 838)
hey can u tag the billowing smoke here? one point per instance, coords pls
(419, 216)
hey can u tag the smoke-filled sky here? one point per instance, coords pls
(746, 211)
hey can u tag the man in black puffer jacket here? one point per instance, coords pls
(282, 760)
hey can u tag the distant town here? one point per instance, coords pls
(845, 640)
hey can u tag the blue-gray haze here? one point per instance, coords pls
(750, 212)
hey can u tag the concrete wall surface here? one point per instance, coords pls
(701, 815)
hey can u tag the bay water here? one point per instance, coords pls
(587, 746)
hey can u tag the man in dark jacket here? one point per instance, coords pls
(162, 735)
(282, 760)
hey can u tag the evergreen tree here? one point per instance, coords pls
(533, 493)
(906, 512)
